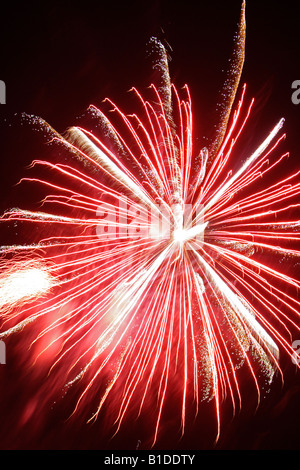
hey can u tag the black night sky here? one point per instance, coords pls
(57, 58)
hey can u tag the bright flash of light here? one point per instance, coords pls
(23, 284)
(147, 305)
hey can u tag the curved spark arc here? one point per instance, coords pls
(231, 84)
(142, 293)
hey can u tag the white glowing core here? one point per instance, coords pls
(26, 283)
(182, 235)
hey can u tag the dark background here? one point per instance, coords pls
(59, 57)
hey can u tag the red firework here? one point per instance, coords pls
(157, 282)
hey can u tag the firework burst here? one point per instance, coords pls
(157, 278)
